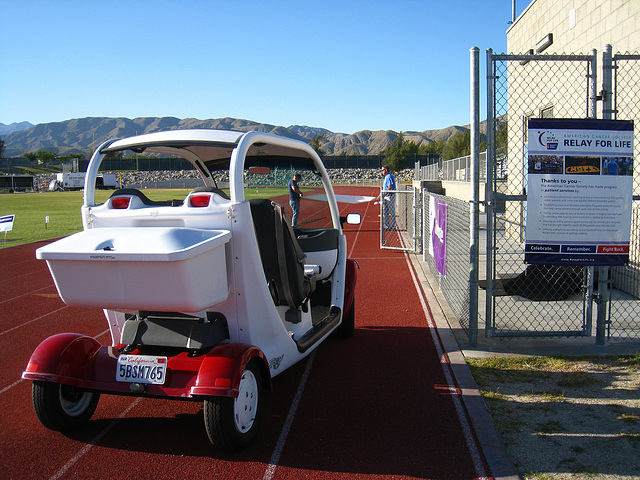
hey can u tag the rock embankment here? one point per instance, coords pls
(350, 176)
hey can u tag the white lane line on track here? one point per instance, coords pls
(8, 387)
(275, 456)
(32, 320)
(446, 368)
(355, 240)
(94, 441)
(35, 272)
(26, 294)
(101, 334)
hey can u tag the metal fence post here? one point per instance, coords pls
(604, 295)
(488, 191)
(475, 197)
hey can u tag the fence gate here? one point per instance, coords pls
(398, 230)
(534, 300)
(623, 314)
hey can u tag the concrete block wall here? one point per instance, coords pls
(577, 26)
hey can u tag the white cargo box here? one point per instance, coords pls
(151, 268)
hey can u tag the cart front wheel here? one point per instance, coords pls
(231, 423)
(62, 408)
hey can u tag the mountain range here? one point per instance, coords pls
(83, 135)
(14, 127)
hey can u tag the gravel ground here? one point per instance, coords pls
(563, 417)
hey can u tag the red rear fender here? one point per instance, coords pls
(222, 368)
(62, 357)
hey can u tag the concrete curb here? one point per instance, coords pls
(493, 449)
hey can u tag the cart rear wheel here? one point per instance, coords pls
(62, 408)
(231, 423)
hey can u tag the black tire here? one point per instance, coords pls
(232, 423)
(62, 408)
(348, 326)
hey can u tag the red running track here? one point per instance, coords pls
(380, 405)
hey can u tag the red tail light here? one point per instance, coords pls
(120, 202)
(199, 200)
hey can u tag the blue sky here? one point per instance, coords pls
(341, 65)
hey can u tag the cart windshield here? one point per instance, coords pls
(276, 183)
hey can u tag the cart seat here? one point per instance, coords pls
(215, 190)
(132, 192)
(173, 329)
(282, 258)
(321, 247)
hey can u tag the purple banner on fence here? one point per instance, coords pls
(438, 213)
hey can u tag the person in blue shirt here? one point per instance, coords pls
(294, 198)
(387, 197)
(612, 166)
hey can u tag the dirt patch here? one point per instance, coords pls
(565, 417)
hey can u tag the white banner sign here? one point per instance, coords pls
(579, 192)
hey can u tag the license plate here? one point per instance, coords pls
(141, 369)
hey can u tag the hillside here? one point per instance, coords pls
(83, 135)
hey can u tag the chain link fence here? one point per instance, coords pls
(454, 284)
(550, 300)
(541, 300)
(523, 300)
(624, 310)
(397, 220)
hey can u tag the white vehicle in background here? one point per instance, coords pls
(75, 181)
(207, 297)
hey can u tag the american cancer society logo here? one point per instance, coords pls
(548, 140)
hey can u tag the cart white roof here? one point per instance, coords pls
(215, 150)
(176, 137)
(199, 140)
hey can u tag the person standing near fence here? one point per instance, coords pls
(294, 198)
(387, 197)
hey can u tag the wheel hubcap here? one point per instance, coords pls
(246, 404)
(74, 402)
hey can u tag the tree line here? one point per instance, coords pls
(46, 157)
(458, 145)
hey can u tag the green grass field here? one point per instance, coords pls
(63, 211)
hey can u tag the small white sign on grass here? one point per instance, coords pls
(6, 224)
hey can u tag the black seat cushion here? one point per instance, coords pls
(215, 190)
(144, 199)
(291, 286)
